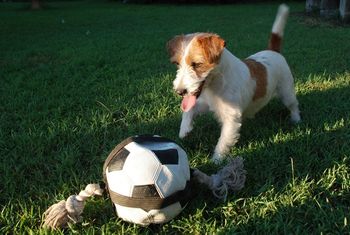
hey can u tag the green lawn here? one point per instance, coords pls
(79, 77)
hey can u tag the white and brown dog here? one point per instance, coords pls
(210, 78)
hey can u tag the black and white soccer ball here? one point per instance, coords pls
(148, 179)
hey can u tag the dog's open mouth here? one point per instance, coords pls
(189, 100)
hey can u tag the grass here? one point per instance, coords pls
(79, 77)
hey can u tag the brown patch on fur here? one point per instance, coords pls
(205, 52)
(275, 43)
(259, 74)
(212, 46)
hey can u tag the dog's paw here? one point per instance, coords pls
(184, 132)
(217, 158)
(295, 118)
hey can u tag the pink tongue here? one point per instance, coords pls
(188, 102)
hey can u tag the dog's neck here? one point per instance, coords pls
(228, 61)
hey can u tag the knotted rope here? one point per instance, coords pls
(230, 178)
(59, 214)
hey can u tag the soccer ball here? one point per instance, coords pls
(148, 179)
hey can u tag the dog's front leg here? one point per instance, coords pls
(187, 118)
(186, 123)
(231, 124)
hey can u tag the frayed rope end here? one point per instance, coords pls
(230, 178)
(63, 212)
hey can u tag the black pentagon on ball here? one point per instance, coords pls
(117, 163)
(143, 191)
(168, 156)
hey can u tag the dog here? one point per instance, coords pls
(210, 78)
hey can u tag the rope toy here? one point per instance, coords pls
(59, 214)
(230, 178)
(141, 196)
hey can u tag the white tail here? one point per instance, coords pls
(281, 19)
(278, 28)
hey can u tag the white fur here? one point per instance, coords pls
(229, 91)
(281, 19)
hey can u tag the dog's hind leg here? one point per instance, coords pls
(286, 92)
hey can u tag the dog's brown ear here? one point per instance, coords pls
(212, 45)
(174, 46)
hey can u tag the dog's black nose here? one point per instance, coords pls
(181, 92)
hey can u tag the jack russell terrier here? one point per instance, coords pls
(210, 78)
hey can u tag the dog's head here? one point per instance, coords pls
(195, 55)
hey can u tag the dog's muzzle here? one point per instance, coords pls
(181, 92)
(197, 93)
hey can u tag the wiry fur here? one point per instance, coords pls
(230, 86)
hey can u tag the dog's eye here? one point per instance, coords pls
(175, 63)
(196, 65)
